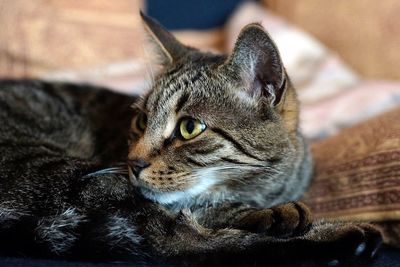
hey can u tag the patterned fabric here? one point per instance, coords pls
(357, 172)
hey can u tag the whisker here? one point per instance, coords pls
(111, 170)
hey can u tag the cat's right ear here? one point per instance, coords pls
(168, 47)
(256, 63)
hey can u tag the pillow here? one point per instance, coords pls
(357, 173)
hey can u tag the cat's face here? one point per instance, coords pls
(209, 126)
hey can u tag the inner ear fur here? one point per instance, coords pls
(256, 61)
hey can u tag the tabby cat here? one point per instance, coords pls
(214, 150)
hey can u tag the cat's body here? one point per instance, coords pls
(198, 140)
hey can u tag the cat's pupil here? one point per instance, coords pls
(190, 126)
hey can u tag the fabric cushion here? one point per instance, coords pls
(357, 172)
(357, 175)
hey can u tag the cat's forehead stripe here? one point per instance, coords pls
(181, 102)
(177, 81)
(159, 97)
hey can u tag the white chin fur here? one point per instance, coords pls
(206, 179)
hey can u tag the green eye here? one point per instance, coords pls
(190, 128)
(141, 121)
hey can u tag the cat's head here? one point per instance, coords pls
(212, 125)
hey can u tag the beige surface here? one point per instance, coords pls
(38, 36)
(366, 33)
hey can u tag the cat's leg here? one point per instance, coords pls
(325, 243)
(182, 239)
(151, 234)
(292, 222)
(284, 220)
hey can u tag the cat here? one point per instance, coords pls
(214, 159)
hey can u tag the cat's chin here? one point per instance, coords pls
(182, 198)
(163, 197)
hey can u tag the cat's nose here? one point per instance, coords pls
(137, 165)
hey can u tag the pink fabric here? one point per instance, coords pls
(356, 104)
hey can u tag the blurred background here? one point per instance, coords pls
(343, 56)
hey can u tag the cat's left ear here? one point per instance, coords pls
(255, 60)
(169, 48)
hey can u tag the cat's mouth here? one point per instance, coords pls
(140, 184)
(143, 187)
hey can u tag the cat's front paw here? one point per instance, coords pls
(345, 244)
(284, 220)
